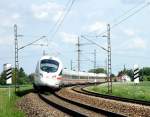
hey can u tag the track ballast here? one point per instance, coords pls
(75, 108)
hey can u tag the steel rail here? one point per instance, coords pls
(91, 108)
(73, 102)
(86, 92)
(62, 108)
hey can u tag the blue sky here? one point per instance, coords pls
(34, 18)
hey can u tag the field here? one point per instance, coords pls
(7, 105)
(140, 91)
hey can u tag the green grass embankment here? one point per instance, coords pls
(8, 105)
(140, 91)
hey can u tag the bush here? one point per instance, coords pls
(146, 78)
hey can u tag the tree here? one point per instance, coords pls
(3, 78)
(98, 70)
(22, 77)
(112, 75)
(143, 73)
(31, 78)
(128, 72)
(146, 71)
(120, 73)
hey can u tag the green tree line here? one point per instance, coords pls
(22, 78)
(100, 70)
(144, 73)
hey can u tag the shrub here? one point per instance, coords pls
(146, 78)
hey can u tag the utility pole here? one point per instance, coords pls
(106, 68)
(71, 64)
(95, 66)
(124, 70)
(16, 55)
(109, 60)
(16, 47)
(78, 50)
(94, 60)
(19, 48)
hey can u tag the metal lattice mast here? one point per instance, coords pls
(16, 55)
(94, 60)
(71, 64)
(16, 47)
(78, 50)
(109, 60)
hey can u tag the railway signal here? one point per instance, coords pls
(136, 74)
(8, 71)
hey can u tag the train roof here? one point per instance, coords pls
(84, 74)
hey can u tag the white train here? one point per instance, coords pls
(49, 73)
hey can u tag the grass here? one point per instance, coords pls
(7, 105)
(140, 91)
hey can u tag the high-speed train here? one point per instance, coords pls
(48, 72)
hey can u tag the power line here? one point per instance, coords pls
(138, 10)
(61, 19)
(116, 24)
(124, 19)
(126, 12)
(94, 43)
(31, 42)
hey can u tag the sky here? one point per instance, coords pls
(129, 38)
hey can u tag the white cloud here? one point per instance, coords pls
(129, 32)
(47, 10)
(57, 16)
(134, 43)
(69, 38)
(15, 16)
(98, 26)
(54, 49)
(8, 20)
(6, 40)
(137, 43)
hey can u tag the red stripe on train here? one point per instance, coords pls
(59, 78)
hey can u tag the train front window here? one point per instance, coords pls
(49, 65)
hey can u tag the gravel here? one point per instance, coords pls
(74, 107)
(128, 109)
(33, 106)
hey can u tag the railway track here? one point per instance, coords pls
(81, 89)
(120, 107)
(74, 108)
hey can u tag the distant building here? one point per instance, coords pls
(124, 78)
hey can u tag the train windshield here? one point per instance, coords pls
(49, 65)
